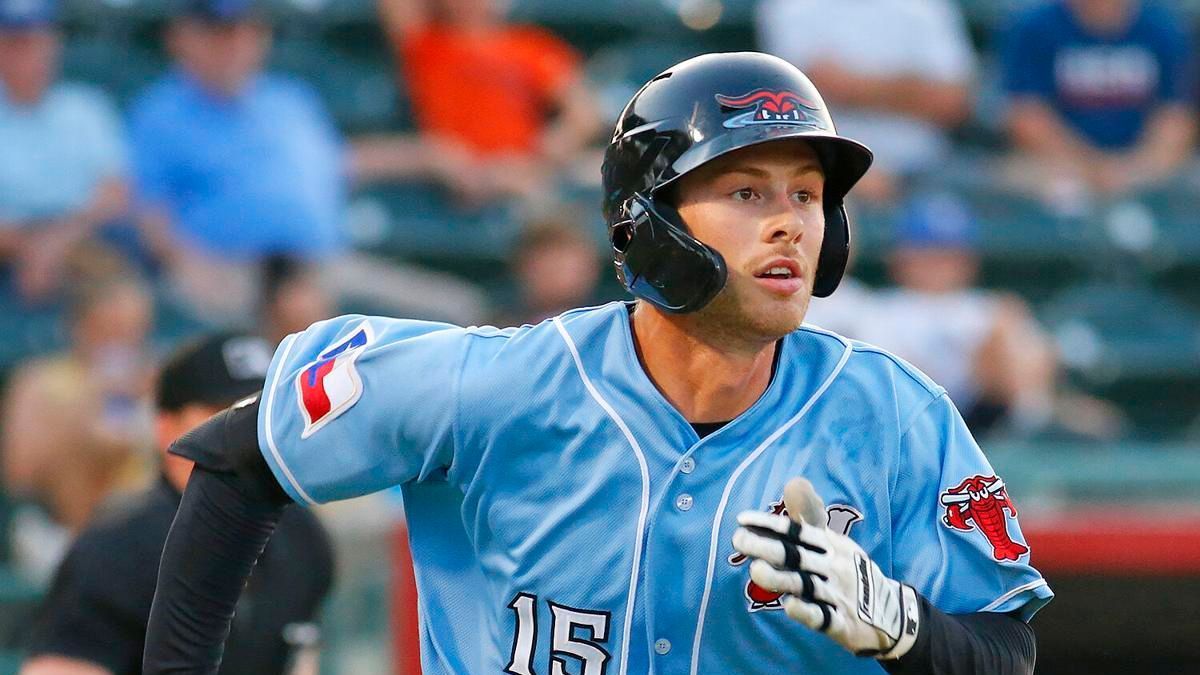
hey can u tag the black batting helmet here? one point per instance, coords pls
(686, 116)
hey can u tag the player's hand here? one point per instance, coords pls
(831, 584)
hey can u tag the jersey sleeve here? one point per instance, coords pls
(357, 404)
(956, 538)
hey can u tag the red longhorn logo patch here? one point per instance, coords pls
(770, 107)
(979, 502)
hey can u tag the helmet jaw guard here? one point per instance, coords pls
(691, 114)
(659, 261)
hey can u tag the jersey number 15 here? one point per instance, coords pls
(565, 642)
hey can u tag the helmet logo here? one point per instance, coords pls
(764, 106)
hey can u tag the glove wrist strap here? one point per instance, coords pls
(910, 617)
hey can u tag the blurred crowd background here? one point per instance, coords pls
(1030, 237)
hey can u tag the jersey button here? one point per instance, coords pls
(662, 646)
(683, 502)
(688, 465)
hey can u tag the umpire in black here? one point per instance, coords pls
(94, 619)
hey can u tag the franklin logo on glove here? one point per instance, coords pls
(864, 589)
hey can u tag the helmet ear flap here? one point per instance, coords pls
(835, 251)
(658, 260)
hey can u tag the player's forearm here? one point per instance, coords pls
(228, 512)
(967, 644)
(217, 537)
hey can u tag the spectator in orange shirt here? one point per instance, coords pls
(512, 96)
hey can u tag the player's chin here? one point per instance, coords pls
(775, 317)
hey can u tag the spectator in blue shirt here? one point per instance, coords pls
(1101, 93)
(62, 155)
(234, 165)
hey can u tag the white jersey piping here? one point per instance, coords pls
(645, 507)
(716, 526)
(267, 423)
(1014, 593)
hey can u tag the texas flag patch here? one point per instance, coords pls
(330, 385)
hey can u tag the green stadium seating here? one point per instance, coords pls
(1175, 211)
(1110, 331)
(110, 12)
(326, 12)
(10, 661)
(1067, 472)
(421, 222)
(1012, 229)
(117, 64)
(19, 600)
(617, 71)
(360, 90)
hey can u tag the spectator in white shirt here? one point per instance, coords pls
(896, 72)
(983, 346)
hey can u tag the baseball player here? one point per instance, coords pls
(604, 492)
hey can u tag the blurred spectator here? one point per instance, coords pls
(63, 164)
(76, 425)
(234, 165)
(293, 299)
(94, 617)
(896, 72)
(511, 98)
(556, 267)
(1101, 96)
(843, 311)
(984, 347)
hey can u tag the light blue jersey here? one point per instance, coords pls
(587, 529)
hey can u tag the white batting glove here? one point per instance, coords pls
(832, 586)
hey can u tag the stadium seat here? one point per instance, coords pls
(117, 64)
(564, 11)
(993, 14)
(618, 70)
(27, 331)
(1172, 208)
(10, 661)
(420, 222)
(360, 91)
(19, 600)
(323, 12)
(113, 12)
(1108, 331)
(1016, 226)
(1087, 471)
